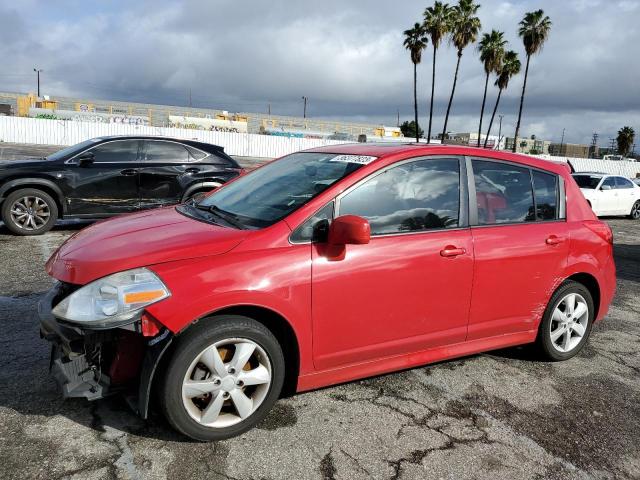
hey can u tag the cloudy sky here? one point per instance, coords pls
(346, 56)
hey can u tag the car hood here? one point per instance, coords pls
(587, 192)
(138, 240)
(23, 162)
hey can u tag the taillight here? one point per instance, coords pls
(601, 229)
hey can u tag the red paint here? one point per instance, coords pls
(361, 305)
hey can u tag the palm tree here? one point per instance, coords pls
(491, 50)
(625, 139)
(509, 68)
(415, 41)
(534, 31)
(437, 23)
(465, 27)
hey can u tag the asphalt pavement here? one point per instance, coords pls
(499, 415)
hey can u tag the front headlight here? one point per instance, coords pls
(113, 300)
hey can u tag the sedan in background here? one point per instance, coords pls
(610, 194)
(106, 176)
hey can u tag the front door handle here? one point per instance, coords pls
(128, 172)
(451, 251)
(554, 240)
(192, 170)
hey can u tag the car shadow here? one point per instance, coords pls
(60, 226)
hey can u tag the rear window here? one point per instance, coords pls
(587, 181)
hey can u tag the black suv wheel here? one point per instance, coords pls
(29, 212)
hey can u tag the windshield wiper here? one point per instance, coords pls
(224, 215)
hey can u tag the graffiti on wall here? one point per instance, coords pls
(88, 116)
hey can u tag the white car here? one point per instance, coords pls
(610, 194)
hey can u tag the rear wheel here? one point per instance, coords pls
(223, 378)
(29, 212)
(567, 322)
(635, 211)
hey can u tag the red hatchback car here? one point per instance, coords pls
(322, 267)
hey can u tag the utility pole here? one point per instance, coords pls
(594, 144)
(38, 70)
(189, 97)
(269, 109)
(499, 132)
(562, 139)
(304, 114)
(398, 118)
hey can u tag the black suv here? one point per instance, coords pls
(106, 176)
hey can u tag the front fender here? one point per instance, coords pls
(34, 182)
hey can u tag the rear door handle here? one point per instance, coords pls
(128, 172)
(451, 251)
(554, 240)
(192, 170)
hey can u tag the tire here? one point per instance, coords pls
(224, 333)
(635, 211)
(40, 212)
(555, 349)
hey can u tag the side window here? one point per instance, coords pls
(166, 152)
(196, 154)
(115, 152)
(420, 195)
(315, 228)
(623, 183)
(503, 193)
(609, 182)
(545, 190)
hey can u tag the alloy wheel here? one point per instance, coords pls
(569, 322)
(635, 211)
(30, 213)
(226, 382)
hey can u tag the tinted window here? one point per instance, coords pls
(545, 189)
(609, 182)
(623, 183)
(163, 152)
(415, 196)
(587, 181)
(119, 151)
(196, 154)
(503, 193)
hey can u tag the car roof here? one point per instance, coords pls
(193, 143)
(409, 150)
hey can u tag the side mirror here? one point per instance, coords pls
(605, 187)
(349, 230)
(85, 159)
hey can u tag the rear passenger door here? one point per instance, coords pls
(627, 195)
(165, 173)
(521, 243)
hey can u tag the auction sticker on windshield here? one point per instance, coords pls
(360, 159)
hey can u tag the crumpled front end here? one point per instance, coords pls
(95, 363)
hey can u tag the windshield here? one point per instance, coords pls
(274, 191)
(587, 181)
(72, 150)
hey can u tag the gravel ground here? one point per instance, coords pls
(500, 415)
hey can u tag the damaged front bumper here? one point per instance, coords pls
(93, 364)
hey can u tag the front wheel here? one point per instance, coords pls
(29, 212)
(224, 376)
(566, 323)
(635, 211)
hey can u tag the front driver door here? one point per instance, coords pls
(607, 197)
(109, 184)
(408, 289)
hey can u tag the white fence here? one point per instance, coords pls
(623, 168)
(64, 132)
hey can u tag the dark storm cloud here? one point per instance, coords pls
(347, 57)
